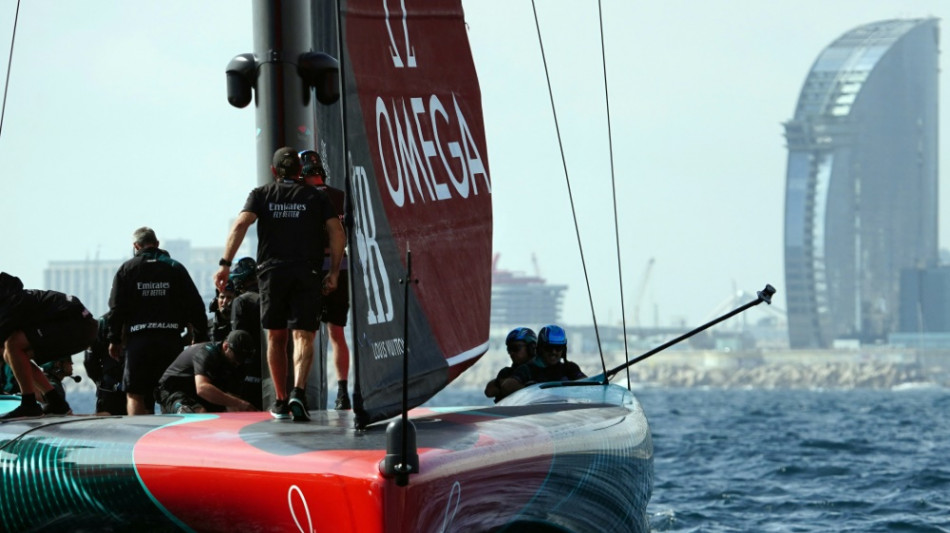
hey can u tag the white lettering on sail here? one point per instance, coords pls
(428, 147)
(385, 349)
(473, 158)
(379, 300)
(396, 191)
(393, 49)
(412, 143)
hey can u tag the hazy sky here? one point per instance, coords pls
(116, 117)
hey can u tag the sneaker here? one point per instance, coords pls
(24, 411)
(298, 406)
(280, 410)
(181, 409)
(343, 401)
(57, 408)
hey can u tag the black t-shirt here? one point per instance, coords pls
(338, 201)
(29, 307)
(291, 223)
(534, 372)
(205, 359)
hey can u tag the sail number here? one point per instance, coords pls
(379, 297)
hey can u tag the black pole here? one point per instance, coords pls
(765, 295)
(282, 32)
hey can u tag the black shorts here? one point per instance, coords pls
(291, 297)
(147, 356)
(61, 338)
(336, 305)
(112, 402)
(171, 402)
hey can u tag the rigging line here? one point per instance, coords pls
(613, 186)
(6, 85)
(570, 195)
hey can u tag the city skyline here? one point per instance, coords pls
(127, 103)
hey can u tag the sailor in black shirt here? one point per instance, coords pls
(336, 305)
(292, 220)
(206, 377)
(41, 326)
(153, 300)
(246, 316)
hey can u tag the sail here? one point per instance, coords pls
(418, 181)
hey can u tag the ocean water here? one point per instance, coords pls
(730, 460)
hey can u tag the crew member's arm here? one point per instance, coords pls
(116, 317)
(209, 392)
(235, 238)
(337, 243)
(510, 385)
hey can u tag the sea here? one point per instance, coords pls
(733, 460)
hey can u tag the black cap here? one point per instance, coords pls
(286, 163)
(241, 343)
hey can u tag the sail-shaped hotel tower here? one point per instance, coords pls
(861, 183)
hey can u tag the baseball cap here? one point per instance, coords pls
(286, 163)
(241, 343)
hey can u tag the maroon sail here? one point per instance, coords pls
(418, 180)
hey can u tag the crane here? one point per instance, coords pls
(641, 290)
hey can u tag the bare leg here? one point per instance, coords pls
(341, 352)
(41, 384)
(135, 404)
(277, 360)
(17, 354)
(303, 356)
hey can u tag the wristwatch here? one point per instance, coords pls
(224, 262)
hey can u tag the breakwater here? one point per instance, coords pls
(873, 368)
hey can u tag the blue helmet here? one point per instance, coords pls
(552, 335)
(525, 335)
(244, 273)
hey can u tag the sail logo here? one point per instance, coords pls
(414, 140)
(379, 298)
(394, 51)
(388, 348)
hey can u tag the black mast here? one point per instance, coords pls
(278, 76)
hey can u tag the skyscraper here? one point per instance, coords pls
(861, 182)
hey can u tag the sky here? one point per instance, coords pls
(116, 117)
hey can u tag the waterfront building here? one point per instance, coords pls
(861, 182)
(523, 300)
(91, 279)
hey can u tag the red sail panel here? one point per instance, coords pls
(420, 181)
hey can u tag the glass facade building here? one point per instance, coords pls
(861, 181)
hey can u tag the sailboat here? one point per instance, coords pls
(405, 134)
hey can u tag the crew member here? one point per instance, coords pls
(38, 327)
(521, 344)
(550, 364)
(291, 221)
(206, 377)
(153, 299)
(336, 305)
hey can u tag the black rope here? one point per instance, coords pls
(6, 85)
(613, 186)
(567, 179)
